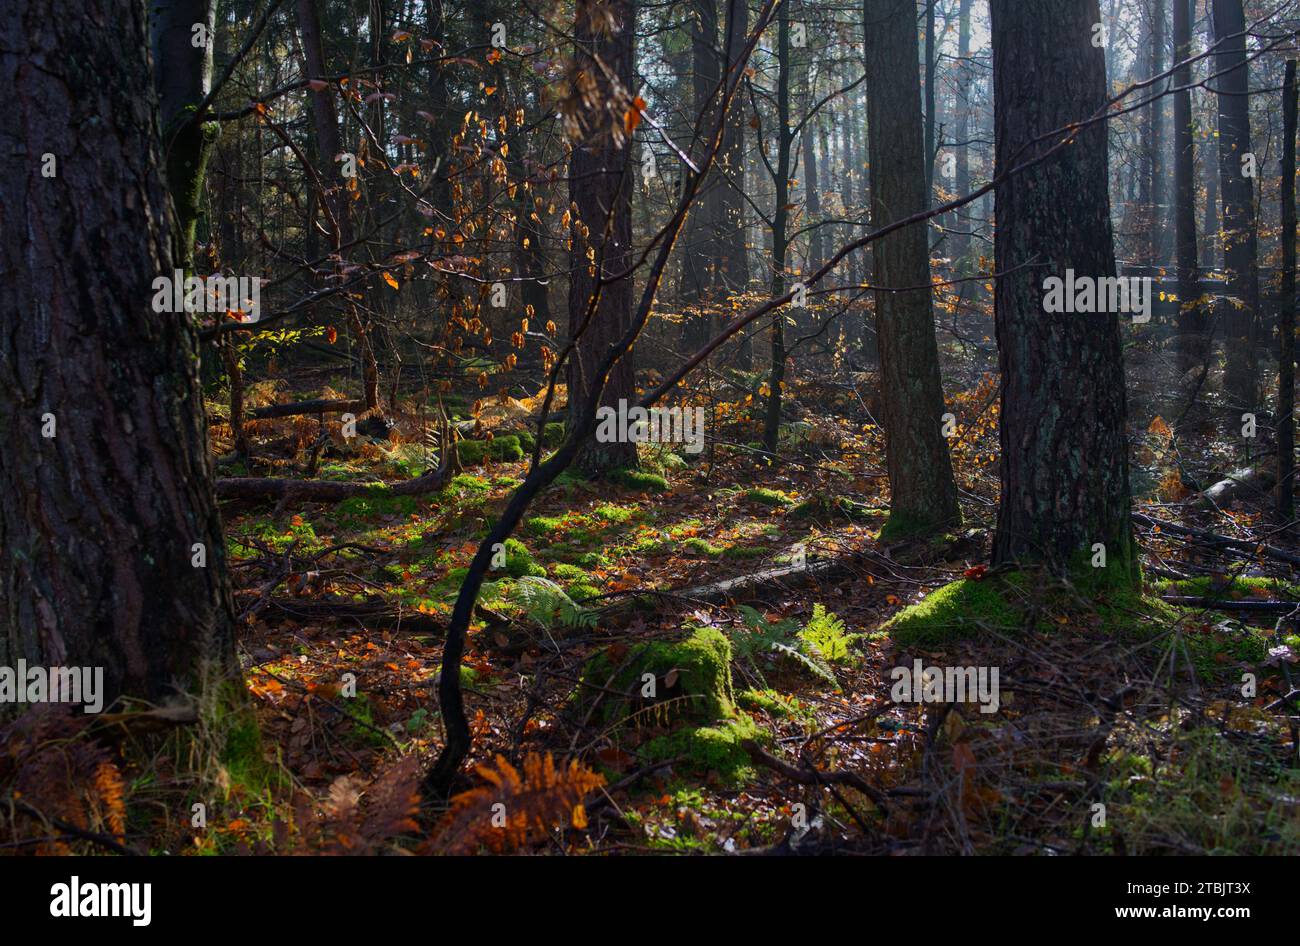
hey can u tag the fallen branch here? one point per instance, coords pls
(376, 613)
(1214, 539)
(807, 775)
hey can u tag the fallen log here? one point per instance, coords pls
(324, 491)
(1258, 480)
(371, 613)
(1214, 539)
(333, 491)
(1227, 604)
(321, 405)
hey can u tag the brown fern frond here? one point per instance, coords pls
(516, 807)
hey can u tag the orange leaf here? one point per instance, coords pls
(633, 116)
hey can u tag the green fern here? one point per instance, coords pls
(825, 636)
(762, 638)
(547, 603)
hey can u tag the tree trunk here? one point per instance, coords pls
(1064, 463)
(780, 224)
(1193, 338)
(961, 177)
(105, 484)
(923, 494)
(182, 78)
(1240, 253)
(929, 101)
(816, 246)
(1287, 305)
(699, 257)
(330, 146)
(734, 258)
(600, 186)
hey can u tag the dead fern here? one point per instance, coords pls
(517, 807)
(56, 784)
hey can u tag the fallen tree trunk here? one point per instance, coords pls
(1221, 604)
(1257, 480)
(1214, 539)
(371, 613)
(324, 491)
(333, 491)
(323, 405)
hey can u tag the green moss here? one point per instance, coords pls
(771, 702)
(614, 514)
(700, 546)
(768, 497)
(744, 551)
(576, 582)
(526, 441)
(692, 679)
(553, 434)
(242, 755)
(1232, 588)
(506, 449)
(640, 480)
(468, 483)
(520, 561)
(710, 750)
(909, 525)
(377, 504)
(964, 608)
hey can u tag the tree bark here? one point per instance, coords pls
(600, 187)
(1240, 251)
(734, 258)
(923, 493)
(780, 225)
(1287, 305)
(1193, 338)
(183, 77)
(1064, 464)
(98, 521)
(329, 143)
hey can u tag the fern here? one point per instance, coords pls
(546, 603)
(517, 807)
(825, 636)
(761, 638)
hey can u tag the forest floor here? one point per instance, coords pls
(1122, 723)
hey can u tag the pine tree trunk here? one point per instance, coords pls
(1064, 463)
(1240, 253)
(923, 493)
(600, 186)
(1191, 327)
(99, 522)
(1287, 305)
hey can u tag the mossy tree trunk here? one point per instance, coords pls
(105, 482)
(600, 186)
(923, 493)
(1064, 463)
